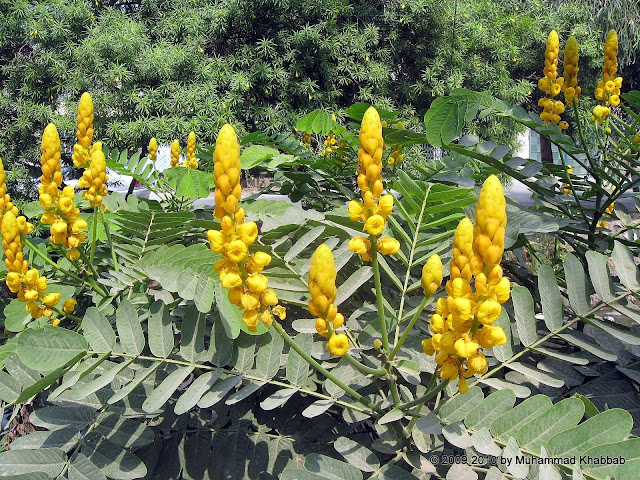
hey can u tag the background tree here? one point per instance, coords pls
(160, 68)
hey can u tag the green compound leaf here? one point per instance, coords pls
(160, 330)
(459, 407)
(98, 331)
(490, 409)
(625, 266)
(268, 359)
(508, 424)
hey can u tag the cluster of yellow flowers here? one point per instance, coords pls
(191, 161)
(551, 84)
(89, 156)
(153, 149)
(27, 283)
(396, 155)
(462, 324)
(329, 143)
(608, 88)
(322, 286)
(67, 229)
(94, 177)
(175, 153)
(5, 200)
(570, 74)
(375, 207)
(81, 150)
(239, 270)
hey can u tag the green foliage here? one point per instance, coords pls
(163, 69)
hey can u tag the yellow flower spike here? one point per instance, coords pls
(153, 149)
(491, 220)
(226, 158)
(462, 250)
(570, 73)
(338, 344)
(431, 275)
(175, 153)
(94, 179)
(50, 161)
(192, 161)
(322, 275)
(84, 134)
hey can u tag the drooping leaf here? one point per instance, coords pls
(98, 331)
(577, 284)
(167, 387)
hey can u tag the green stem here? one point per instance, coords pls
(110, 240)
(92, 279)
(238, 374)
(405, 334)
(355, 395)
(68, 315)
(426, 397)
(412, 252)
(584, 143)
(93, 233)
(51, 262)
(379, 372)
(378, 286)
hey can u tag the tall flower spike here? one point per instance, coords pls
(239, 270)
(5, 200)
(491, 221)
(462, 323)
(60, 212)
(550, 84)
(570, 72)
(84, 134)
(153, 149)
(608, 88)
(226, 173)
(26, 283)
(375, 207)
(175, 153)
(94, 178)
(51, 169)
(192, 161)
(322, 287)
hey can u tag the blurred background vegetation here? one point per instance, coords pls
(163, 68)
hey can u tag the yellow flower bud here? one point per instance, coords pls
(477, 363)
(466, 346)
(490, 336)
(69, 305)
(488, 312)
(427, 347)
(431, 275)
